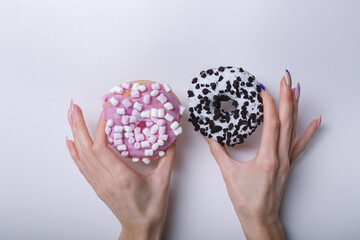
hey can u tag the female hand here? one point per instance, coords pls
(255, 187)
(139, 201)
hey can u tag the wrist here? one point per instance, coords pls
(143, 233)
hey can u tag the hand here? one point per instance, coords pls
(255, 187)
(139, 201)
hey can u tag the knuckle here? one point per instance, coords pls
(270, 166)
(97, 149)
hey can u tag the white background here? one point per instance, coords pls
(52, 51)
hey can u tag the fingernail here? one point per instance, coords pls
(288, 78)
(297, 91)
(72, 106)
(67, 143)
(262, 86)
(70, 118)
(318, 123)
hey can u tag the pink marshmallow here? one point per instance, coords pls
(152, 138)
(135, 94)
(162, 98)
(137, 130)
(162, 129)
(125, 119)
(125, 154)
(107, 130)
(118, 142)
(146, 99)
(155, 86)
(117, 135)
(139, 137)
(149, 123)
(135, 113)
(161, 122)
(132, 140)
(137, 145)
(163, 137)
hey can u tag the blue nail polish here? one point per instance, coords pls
(287, 71)
(262, 86)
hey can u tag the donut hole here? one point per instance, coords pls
(228, 105)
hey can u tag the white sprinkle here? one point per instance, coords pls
(182, 109)
(142, 88)
(146, 132)
(132, 119)
(110, 122)
(135, 86)
(155, 86)
(121, 147)
(154, 129)
(162, 98)
(154, 93)
(126, 85)
(167, 87)
(168, 106)
(145, 144)
(145, 114)
(146, 160)
(161, 153)
(174, 125)
(120, 111)
(138, 106)
(178, 131)
(127, 103)
(148, 152)
(160, 142)
(135, 159)
(146, 99)
(129, 134)
(155, 146)
(114, 101)
(154, 112)
(118, 129)
(169, 117)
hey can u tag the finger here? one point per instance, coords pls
(301, 144)
(295, 103)
(270, 132)
(166, 163)
(220, 154)
(103, 152)
(285, 116)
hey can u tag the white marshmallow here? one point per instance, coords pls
(138, 106)
(174, 125)
(148, 152)
(132, 119)
(114, 101)
(167, 87)
(162, 98)
(161, 153)
(182, 110)
(119, 90)
(135, 159)
(146, 160)
(120, 111)
(142, 88)
(125, 119)
(146, 99)
(135, 86)
(178, 131)
(154, 112)
(160, 142)
(168, 106)
(146, 132)
(118, 128)
(128, 129)
(169, 117)
(155, 86)
(145, 114)
(129, 134)
(126, 85)
(161, 113)
(145, 144)
(110, 140)
(121, 147)
(110, 122)
(135, 94)
(154, 129)
(155, 146)
(127, 103)
(154, 93)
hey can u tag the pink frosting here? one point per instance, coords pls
(142, 130)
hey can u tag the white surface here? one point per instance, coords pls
(51, 51)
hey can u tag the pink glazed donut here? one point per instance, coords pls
(142, 119)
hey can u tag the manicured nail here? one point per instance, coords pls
(67, 143)
(70, 117)
(297, 91)
(288, 78)
(318, 122)
(262, 86)
(72, 106)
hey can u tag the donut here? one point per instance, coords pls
(142, 119)
(211, 91)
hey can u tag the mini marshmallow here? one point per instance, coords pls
(163, 137)
(133, 119)
(139, 137)
(154, 129)
(146, 99)
(110, 122)
(137, 145)
(125, 85)
(135, 159)
(125, 154)
(149, 123)
(138, 106)
(168, 106)
(119, 90)
(110, 140)
(135, 94)
(178, 131)
(148, 152)
(120, 111)
(155, 86)
(174, 125)
(118, 142)
(121, 147)
(146, 160)
(161, 153)
(107, 130)
(137, 130)
(135, 86)
(131, 140)
(128, 129)
(181, 110)
(146, 132)
(152, 138)
(169, 117)
(117, 135)
(135, 113)
(142, 88)
(118, 128)
(154, 93)
(160, 142)
(114, 101)
(162, 129)
(155, 146)
(125, 119)
(162, 98)
(145, 114)
(167, 87)
(145, 144)
(127, 103)
(161, 113)
(161, 122)
(154, 112)
(129, 134)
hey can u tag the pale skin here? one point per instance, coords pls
(139, 201)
